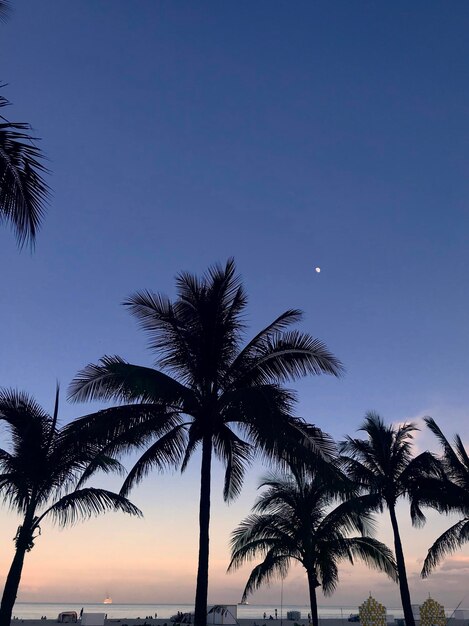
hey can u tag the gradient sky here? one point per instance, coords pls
(288, 135)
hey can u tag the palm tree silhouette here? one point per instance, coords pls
(448, 493)
(295, 518)
(383, 465)
(42, 477)
(23, 191)
(206, 391)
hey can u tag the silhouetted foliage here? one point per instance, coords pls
(449, 493)
(23, 191)
(207, 391)
(42, 476)
(299, 517)
(383, 465)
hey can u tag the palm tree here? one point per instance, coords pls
(42, 477)
(383, 465)
(23, 191)
(449, 493)
(295, 519)
(206, 391)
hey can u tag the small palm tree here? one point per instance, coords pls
(383, 465)
(295, 519)
(23, 191)
(42, 477)
(449, 493)
(207, 391)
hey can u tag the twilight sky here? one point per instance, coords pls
(288, 135)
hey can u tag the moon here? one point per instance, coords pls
(317, 270)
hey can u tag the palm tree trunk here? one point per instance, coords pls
(312, 584)
(400, 562)
(14, 576)
(200, 616)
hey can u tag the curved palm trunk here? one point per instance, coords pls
(14, 575)
(400, 562)
(200, 617)
(312, 584)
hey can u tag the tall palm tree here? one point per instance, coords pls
(448, 494)
(295, 519)
(383, 465)
(206, 391)
(23, 190)
(42, 477)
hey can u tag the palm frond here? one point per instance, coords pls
(157, 316)
(115, 379)
(358, 458)
(167, 451)
(86, 503)
(272, 567)
(450, 455)
(353, 515)
(193, 441)
(461, 453)
(23, 190)
(288, 356)
(374, 554)
(424, 481)
(255, 536)
(236, 455)
(327, 572)
(122, 428)
(14, 490)
(447, 543)
(101, 463)
(244, 359)
(5, 458)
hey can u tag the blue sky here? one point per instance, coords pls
(287, 135)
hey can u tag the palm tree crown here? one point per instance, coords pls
(295, 518)
(42, 476)
(206, 390)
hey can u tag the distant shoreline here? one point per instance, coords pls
(330, 621)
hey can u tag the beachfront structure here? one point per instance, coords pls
(372, 613)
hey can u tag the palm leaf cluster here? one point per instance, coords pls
(209, 390)
(294, 519)
(213, 392)
(23, 190)
(448, 493)
(42, 475)
(383, 465)
(299, 517)
(44, 466)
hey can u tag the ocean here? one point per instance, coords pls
(35, 610)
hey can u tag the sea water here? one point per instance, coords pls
(35, 610)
